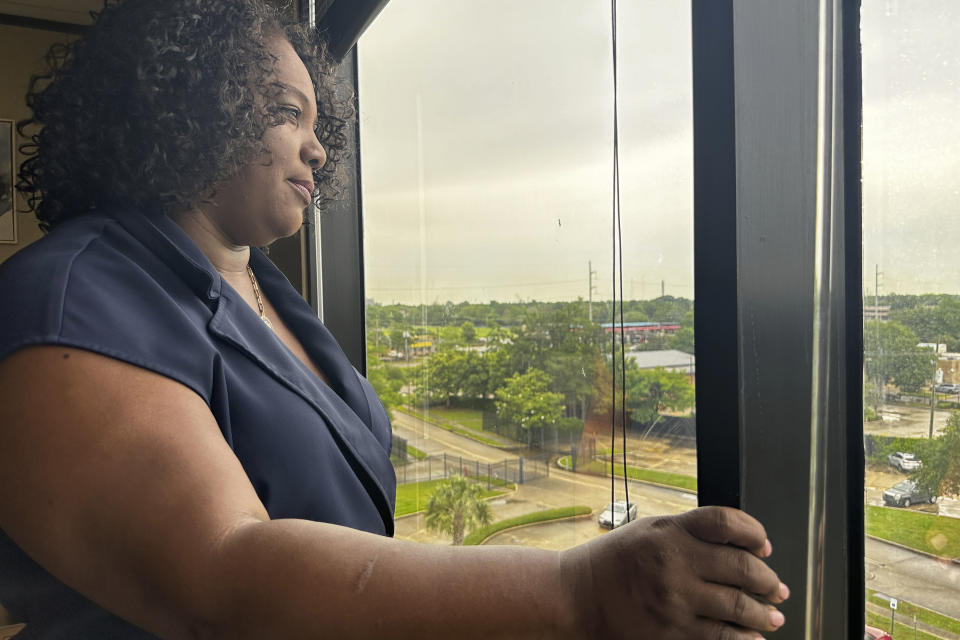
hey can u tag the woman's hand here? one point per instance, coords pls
(675, 577)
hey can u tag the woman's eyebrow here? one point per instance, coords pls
(300, 94)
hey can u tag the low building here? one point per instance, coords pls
(640, 332)
(669, 359)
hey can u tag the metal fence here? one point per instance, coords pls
(509, 470)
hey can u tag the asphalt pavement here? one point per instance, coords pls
(910, 576)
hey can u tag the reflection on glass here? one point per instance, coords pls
(911, 158)
(486, 156)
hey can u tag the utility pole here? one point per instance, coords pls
(933, 385)
(876, 292)
(591, 288)
(881, 383)
(663, 288)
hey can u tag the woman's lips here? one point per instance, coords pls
(302, 189)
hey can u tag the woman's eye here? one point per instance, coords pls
(292, 112)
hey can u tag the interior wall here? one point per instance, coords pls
(21, 54)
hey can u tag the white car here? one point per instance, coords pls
(611, 518)
(904, 461)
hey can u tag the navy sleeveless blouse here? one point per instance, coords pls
(136, 288)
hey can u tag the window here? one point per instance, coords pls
(487, 167)
(911, 157)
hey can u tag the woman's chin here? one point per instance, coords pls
(286, 226)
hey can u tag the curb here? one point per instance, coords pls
(534, 524)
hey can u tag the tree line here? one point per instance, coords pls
(546, 366)
(891, 347)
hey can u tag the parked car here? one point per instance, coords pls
(615, 514)
(948, 388)
(872, 633)
(905, 493)
(904, 461)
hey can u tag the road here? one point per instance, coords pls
(914, 577)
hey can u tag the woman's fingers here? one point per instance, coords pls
(725, 604)
(732, 566)
(723, 525)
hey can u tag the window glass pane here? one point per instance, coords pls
(911, 199)
(487, 140)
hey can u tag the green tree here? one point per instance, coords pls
(892, 356)
(456, 506)
(940, 473)
(526, 401)
(682, 340)
(560, 340)
(938, 320)
(476, 375)
(445, 373)
(651, 391)
(468, 332)
(601, 395)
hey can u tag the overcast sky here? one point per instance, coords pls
(487, 144)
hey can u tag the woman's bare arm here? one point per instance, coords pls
(119, 482)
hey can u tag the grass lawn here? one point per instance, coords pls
(636, 473)
(479, 535)
(907, 610)
(413, 497)
(469, 418)
(934, 534)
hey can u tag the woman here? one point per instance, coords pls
(186, 451)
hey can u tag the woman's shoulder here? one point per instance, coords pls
(34, 282)
(93, 284)
(52, 255)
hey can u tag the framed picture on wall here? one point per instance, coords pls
(8, 221)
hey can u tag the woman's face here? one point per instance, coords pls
(265, 201)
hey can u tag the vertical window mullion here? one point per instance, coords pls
(715, 254)
(341, 242)
(755, 111)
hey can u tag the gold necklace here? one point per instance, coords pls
(256, 292)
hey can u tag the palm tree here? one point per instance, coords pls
(455, 506)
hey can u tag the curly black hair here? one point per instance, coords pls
(158, 101)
